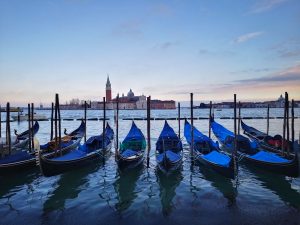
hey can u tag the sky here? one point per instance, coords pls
(162, 48)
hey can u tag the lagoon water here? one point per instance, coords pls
(100, 194)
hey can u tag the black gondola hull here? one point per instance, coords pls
(125, 163)
(168, 166)
(52, 167)
(225, 171)
(289, 169)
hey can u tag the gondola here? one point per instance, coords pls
(20, 140)
(168, 149)
(132, 149)
(252, 154)
(267, 142)
(93, 149)
(208, 153)
(26, 159)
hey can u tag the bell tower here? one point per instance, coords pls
(108, 90)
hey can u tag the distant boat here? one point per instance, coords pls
(25, 117)
(93, 149)
(132, 149)
(252, 154)
(208, 153)
(168, 149)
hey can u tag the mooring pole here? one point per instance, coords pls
(284, 127)
(84, 121)
(29, 127)
(55, 124)
(235, 136)
(31, 130)
(239, 119)
(148, 129)
(293, 125)
(8, 127)
(52, 109)
(268, 119)
(117, 128)
(59, 124)
(103, 124)
(287, 123)
(179, 120)
(192, 127)
(0, 123)
(209, 122)
(18, 114)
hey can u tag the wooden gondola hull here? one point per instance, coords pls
(52, 167)
(225, 171)
(30, 163)
(124, 163)
(289, 169)
(168, 166)
(17, 166)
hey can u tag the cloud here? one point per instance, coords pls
(221, 53)
(289, 48)
(288, 75)
(266, 5)
(166, 45)
(260, 70)
(247, 37)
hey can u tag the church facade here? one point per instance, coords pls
(130, 101)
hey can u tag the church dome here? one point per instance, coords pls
(130, 94)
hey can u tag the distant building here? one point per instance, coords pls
(280, 102)
(130, 101)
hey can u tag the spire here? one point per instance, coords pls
(108, 85)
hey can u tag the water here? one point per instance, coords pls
(100, 194)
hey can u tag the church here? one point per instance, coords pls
(130, 101)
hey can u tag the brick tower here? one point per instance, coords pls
(108, 90)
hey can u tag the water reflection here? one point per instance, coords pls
(12, 183)
(69, 186)
(279, 185)
(225, 185)
(167, 186)
(125, 185)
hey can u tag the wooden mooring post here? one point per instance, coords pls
(268, 119)
(8, 134)
(234, 152)
(192, 126)
(179, 130)
(239, 119)
(293, 124)
(29, 128)
(103, 124)
(209, 119)
(117, 129)
(0, 123)
(18, 114)
(284, 128)
(55, 125)
(85, 108)
(148, 129)
(287, 102)
(59, 124)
